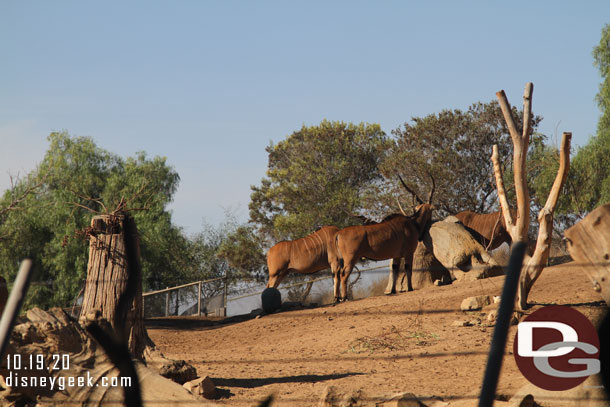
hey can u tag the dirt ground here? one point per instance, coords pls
(373, 347)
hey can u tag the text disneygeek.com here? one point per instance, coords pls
(31, 371)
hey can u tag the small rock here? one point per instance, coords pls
(475, 303)
(203, 386)
(401, 400)
(474, 322)
(329, 397)
(330, 318)
(178, 371)
(491, 317)
(351, 400)
(460, 323)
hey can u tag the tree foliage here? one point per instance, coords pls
(78, 179)
(228, 250)
(317, 176)
(454, 147)
(591, 166)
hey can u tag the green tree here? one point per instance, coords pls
(228, 250)
(588, 183)
(590, 178)
(317, 176)
(242, 249)
(454, 147)
(78, 179)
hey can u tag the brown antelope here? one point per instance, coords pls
(394, 237)
(488, 229)
(306, 255)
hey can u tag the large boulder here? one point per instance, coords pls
(455, 248)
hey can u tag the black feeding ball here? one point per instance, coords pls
(271, 299)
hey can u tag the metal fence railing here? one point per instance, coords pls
(206, 297)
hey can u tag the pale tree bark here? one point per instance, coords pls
(518, 228)
(114, 294)
(107, 276)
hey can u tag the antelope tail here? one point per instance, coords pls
(338, 251)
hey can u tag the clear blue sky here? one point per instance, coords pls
(209, 84)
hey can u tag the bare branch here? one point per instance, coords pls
(90, 199)
(76, 204)
(502, 192)
(508, 115)
(562, 172)
(527, 112)
(520, 145)
(17, 200)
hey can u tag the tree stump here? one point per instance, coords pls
(107, 276)
(107, 280)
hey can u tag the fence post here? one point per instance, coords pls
(167, 303)
(14, 303)
(226, 291)
(199, 299)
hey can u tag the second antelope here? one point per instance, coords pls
(306, 255)
(394, 237)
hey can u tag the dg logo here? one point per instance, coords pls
(556, 348)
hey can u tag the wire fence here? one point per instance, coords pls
(206, 297)
(212, 298)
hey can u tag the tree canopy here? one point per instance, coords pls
(317, 176)
(591, 166)
(77, 179)
(454, 148)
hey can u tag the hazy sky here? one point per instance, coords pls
(209, 84)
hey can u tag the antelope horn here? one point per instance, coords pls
(432, 190)
(410, 190)
(400, 206)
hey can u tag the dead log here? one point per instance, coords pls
(589, 245)
(63, 352)
(455, 248)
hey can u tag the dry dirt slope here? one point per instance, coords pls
(377, 346)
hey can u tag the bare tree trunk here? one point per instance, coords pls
(107, 274)
(518, 228)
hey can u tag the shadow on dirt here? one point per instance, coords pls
(252, 383)
(194, 323)
(594, 304)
